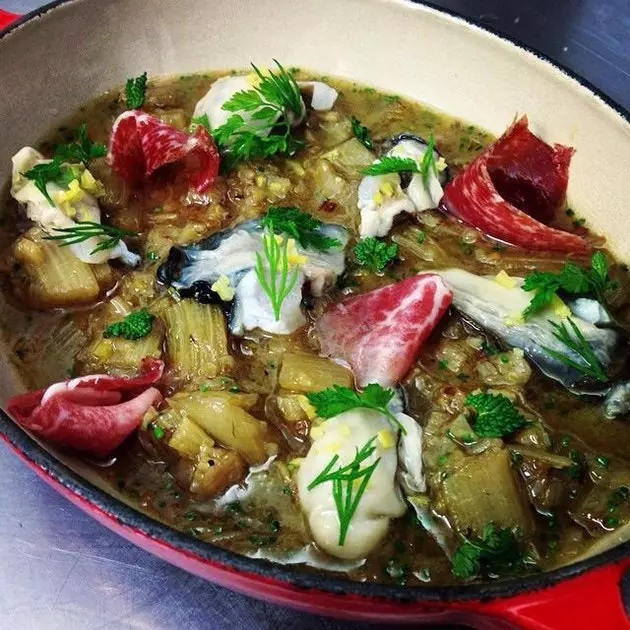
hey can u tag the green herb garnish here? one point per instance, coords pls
(202, 120)
(346, 493)
(51, 172)
(135, 91)
(428, 164)
(276, 96)
(375, 253)
(575, 341)
(495, 552)
(81, 150)
(571, 279)
(299, 225)
(84, 230)
(391, 164)
(278, 283)
(334, 400)
(361, 133)
(495, 415)
(136, 325)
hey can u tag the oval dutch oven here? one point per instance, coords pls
(448, 63)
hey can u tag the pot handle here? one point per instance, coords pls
(591, 600)
(6, 18)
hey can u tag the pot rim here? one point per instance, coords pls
(259, 569)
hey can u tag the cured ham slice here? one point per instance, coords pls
(139, 144)
(92, 413)
(512, 188)
(380, 333)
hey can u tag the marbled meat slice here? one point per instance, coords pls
(510, 189)
(139, 144)
(89, 413)
(380, 333)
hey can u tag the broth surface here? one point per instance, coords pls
(568, 509)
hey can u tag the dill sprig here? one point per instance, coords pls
(344, 490)
(279, 283)
(575, 341)
(276, 96)
(84, 230)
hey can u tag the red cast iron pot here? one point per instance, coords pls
(586, 594)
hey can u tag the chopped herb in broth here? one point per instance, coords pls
(319, 348)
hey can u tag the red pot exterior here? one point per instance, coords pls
(591, 600)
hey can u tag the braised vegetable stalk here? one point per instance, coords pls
(348, 484)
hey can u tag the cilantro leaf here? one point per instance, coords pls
(571, 279)
(51, 172)
(495, 415)
(497, 552)
(300, 225)
(81, 150)
(135, 91)
(361, 133)
(390, 164)
(375, 253)
(136, 325)
(334, 400)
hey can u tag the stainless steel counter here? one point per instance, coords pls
(59, 570)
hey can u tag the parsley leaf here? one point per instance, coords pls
(136, 325)
(571, 279)
(135, 91)
(300, 225)
(361, 133)
(51, 172)
(390, 164)
(81, 150)
(375, 253)
(495, 415)
(334, 400)
(497, 552)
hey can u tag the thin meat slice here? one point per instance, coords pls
(380, 333)
(139, 144)
(512, 188)
(93, 413)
